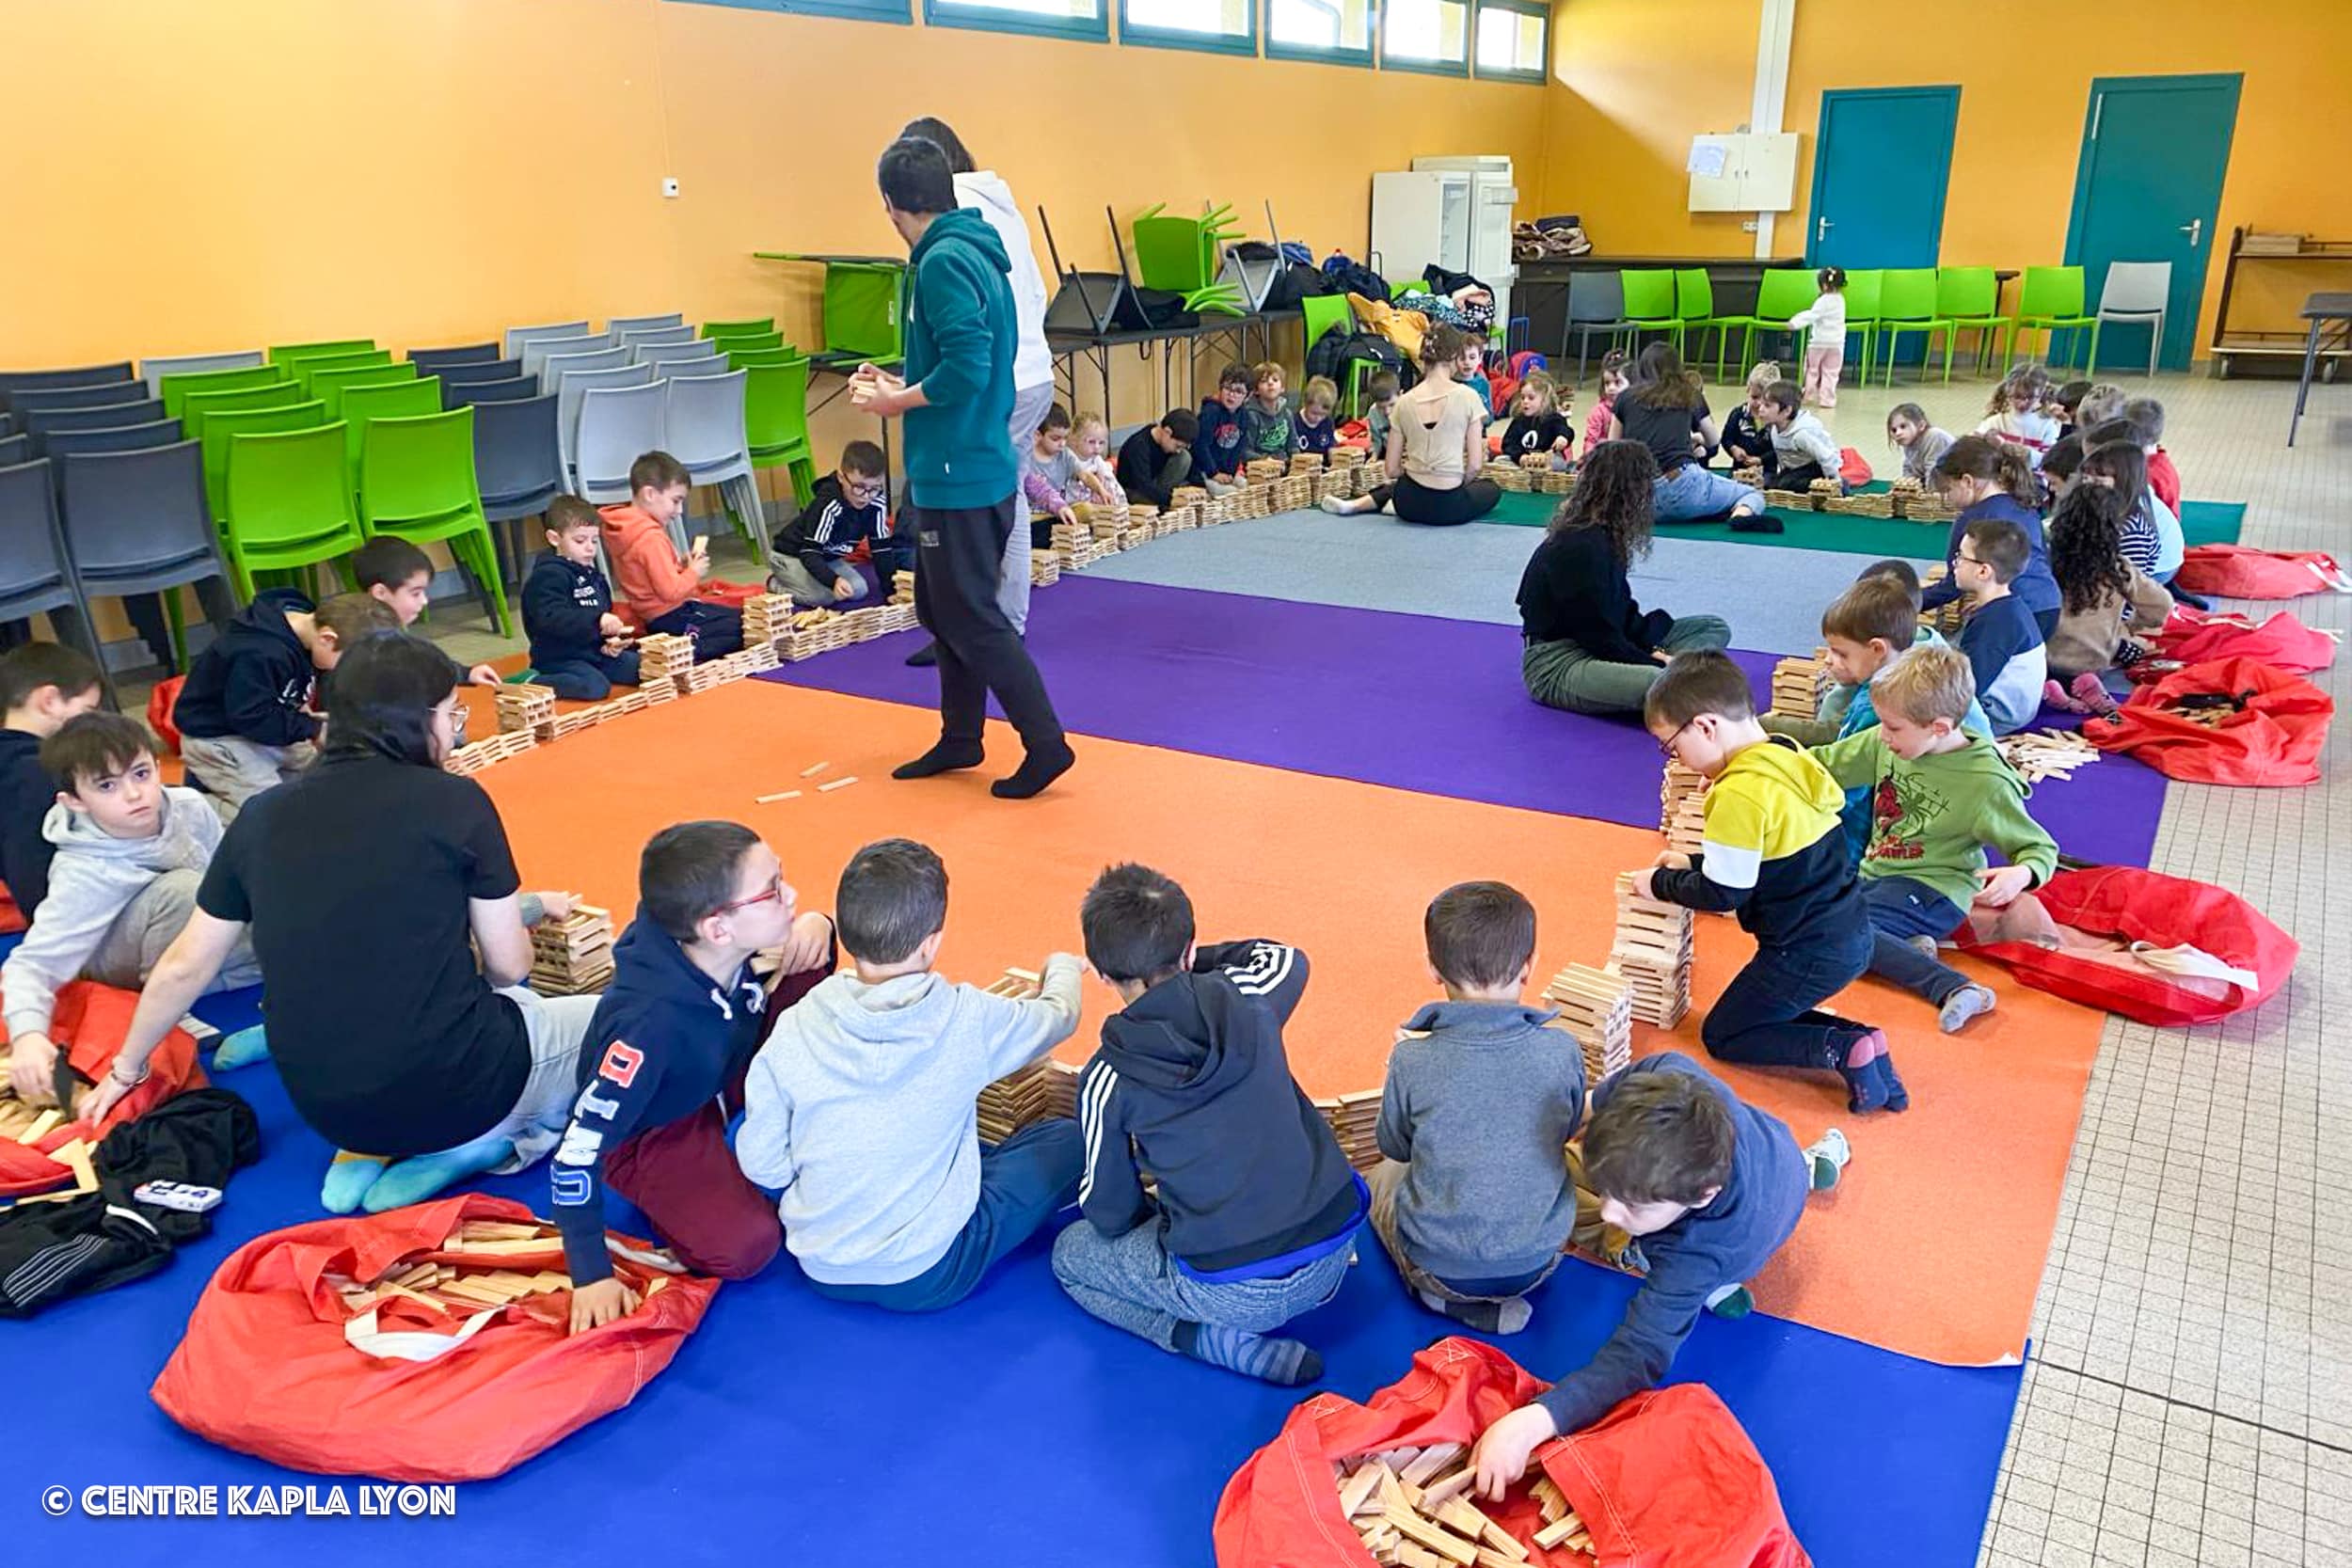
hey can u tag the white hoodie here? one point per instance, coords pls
(989, 195)
(860, 1108)
(92, 882)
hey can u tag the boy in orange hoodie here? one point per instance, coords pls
(658, 585)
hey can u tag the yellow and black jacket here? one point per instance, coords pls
(1774, 852)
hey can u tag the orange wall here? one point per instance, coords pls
(1628, 99)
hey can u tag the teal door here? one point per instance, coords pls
(1880, 168)
(2148, 189)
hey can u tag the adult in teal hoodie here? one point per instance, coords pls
(963, 475)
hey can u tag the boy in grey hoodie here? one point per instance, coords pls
(129, 853)
(1474, 1201)
(859, 1109)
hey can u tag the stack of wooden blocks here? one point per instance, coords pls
(1077, 547)
(1177, 517)
(489, 749)
(1044, 569)
(1787, 500)
(1263, 470)
(1217, 510)
(572, 956)
(902, 587)
(657, 692)
(527, 707)
(1598, 1008)
(1296, 492)
(1338, 483)
(663, 656)
(1412, 1508)
(1043, 1088)
(1944, 618)
(1307, 463)
(1821, 492)
(1555, 482)
(1355, 1121)
(1682, 807)
(1509, 476)
(1188, 495)
(766, 617)
(1652, 950)
(1749, 474)
(1797, 686)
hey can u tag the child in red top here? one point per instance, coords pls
(2163, 478)
(658, 584)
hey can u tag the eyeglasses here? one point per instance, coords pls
(1666, 747)
(775, 891)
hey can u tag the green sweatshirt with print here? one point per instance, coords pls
(1933, 817)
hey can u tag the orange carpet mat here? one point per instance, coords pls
(1934, 1246)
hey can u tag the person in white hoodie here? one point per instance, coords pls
(859, 1109)
(130, 853)
(1824, 322)
(985, 192)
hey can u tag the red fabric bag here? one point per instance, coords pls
(160, 703)
(2242, 571)
(2272, 732)
(1667, 1479)
(88, 1025)
(11, 918)
(2136, 906)
(2281, 641)
(274, 1363)
(1853, 468)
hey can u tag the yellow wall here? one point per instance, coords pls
(1629, 94)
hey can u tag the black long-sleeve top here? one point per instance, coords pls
(1573, 590)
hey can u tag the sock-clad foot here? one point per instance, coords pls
(1486, 1317)
(1037, 771)
(1961, 1006)
(348, 1180)
(1864, 1089)
(2053, 695)
(1267, 1357)
(242, 1048)
(1897, 1098)
(1732, 1300)
(1828, 1158)
(2092, 693)
(420, 1177)
(945, 757)
(924, 657)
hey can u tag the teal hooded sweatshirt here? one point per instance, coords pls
(961, 332)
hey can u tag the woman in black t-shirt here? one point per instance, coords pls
(1665, 411)
(361, 882)
(1589, 648)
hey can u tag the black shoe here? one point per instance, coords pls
(1037, 771)
(924, 657)
(945, 757)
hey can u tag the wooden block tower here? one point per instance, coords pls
(1653, 950)
(572, 956)
(1797, 685)
(527, 707)
(1598, 1008)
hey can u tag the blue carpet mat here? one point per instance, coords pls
(1012, 1429)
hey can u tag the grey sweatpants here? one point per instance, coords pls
(557, 1027)
(150, 922)
(234, 770)
(1029, 404)
(1564, 676)
(789, 574)
(1130, 1282)
(1385, 1180)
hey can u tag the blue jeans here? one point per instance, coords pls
(1022, 1181)
(1900, 908)
(1130, 1282)
(1693, 493)
(590, 679)
(1767, 1017)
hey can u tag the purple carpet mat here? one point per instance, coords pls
(1410, 702)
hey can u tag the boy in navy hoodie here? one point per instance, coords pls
(246, 717)
(1256, 1214)
(42, 685)
(1217, 454)
(1709, 1188)
(579, 648)
(663, 1065)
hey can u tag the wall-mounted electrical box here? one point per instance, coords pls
(1744, 171)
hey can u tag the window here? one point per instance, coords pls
(1221, 26)
(1512, 41)
(1064, 18)
(1339, 30)
(1425, 35)
(862, 11)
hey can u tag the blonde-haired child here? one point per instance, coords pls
(1538, 426)
(2016, 415)
(1909, 431)
(1747, 442)
(1313, 428)
(1090, 442)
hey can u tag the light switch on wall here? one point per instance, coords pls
(669, 187)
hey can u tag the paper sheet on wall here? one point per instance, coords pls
(1707, 160)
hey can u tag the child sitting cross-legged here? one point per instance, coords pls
(2000, 636)
(658, 583)
(1940, 793)
(1538, 427)
(1708, 1188)
(1090, 438)
(1256, 1214)
(1265, 418)
(129, 854)
(663, 1060)
(1215, 441)
(1772, 852)
(1803, 448)
(2107, 598)
(1920, 440)
(859, 1109)
(1157, 458)
(809, 557)
(1747, 442)
(579, 649)
(1473, 1199)
(390, 569)
(1313, 428)
(246, 717)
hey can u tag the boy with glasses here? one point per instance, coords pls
(810, 560)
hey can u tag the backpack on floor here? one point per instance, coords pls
(2242, 571)
(2228, 722)
(1666, 1480)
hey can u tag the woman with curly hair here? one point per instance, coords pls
(2100, 593)
(1589, 647)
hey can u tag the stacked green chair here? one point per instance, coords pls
(1694, 310)
(417, 483)
(1783, 292)
(748, 328)
(289, 501)
(328, 387)
(1649, 303)
(195, 406)
(749, 342)
(1185, 256)
(308, 371)
(387, 399)
(1865, 289)
(288, 354)
(775, 421)
(1907, 304)
(2050, 301)
(1970, 299)
(743, 358)
(221, 429)
(176, 389)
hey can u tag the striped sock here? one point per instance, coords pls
(1267, 1357)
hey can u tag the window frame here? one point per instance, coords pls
(1363, 60)
(899, 13)
(1144, 34)
(1435, 68)
(1542, 71)
(984, 19)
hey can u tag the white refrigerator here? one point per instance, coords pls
(1453, 211)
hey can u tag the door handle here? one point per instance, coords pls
(2194, 228)
(1821, 226)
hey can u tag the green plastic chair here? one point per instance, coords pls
(328, 387)
(288, 354)
(221, 428)
(1185, 256)
(177, 389)
(743, 358)
(384, 400)
(2050, 301)
(1783, 292)
(1865, 288)
(1322, 313)
(728, 343)
(1649, 303)
(1694, 308)
(289, 499)
(776, 422)
(197, 407)
(738, 329)
(417, 483)
(1907, 304)
(307, 371)
(1970, 299)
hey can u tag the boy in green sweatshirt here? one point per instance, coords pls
(1939, 794)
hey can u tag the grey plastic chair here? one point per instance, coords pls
(697, 359)
(33, 400)
(520, 470)
(13, 382)
(576, 386)
(622, 325)
(40, 423)
(457, 394)
(701, 427)
(478, 370)
(7, 424)
(36, 573)
(1595, 304)
(135, 523)
(432, 361)
(154, 371)
(15, 450)
(636, 336)
(2135, 292)
(552, 367)
(518, 336)
(539, 351)
(618, 426)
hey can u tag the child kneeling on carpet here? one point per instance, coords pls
(1473, 1200)
(130, 853)
(859, 1109)
(809, 557)
(244, 716)
(662, 1064)
(1774, 854)
(1709, 1188)
(1257, 1211)
(658, 583)
(1940, 793)
(579, 649)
